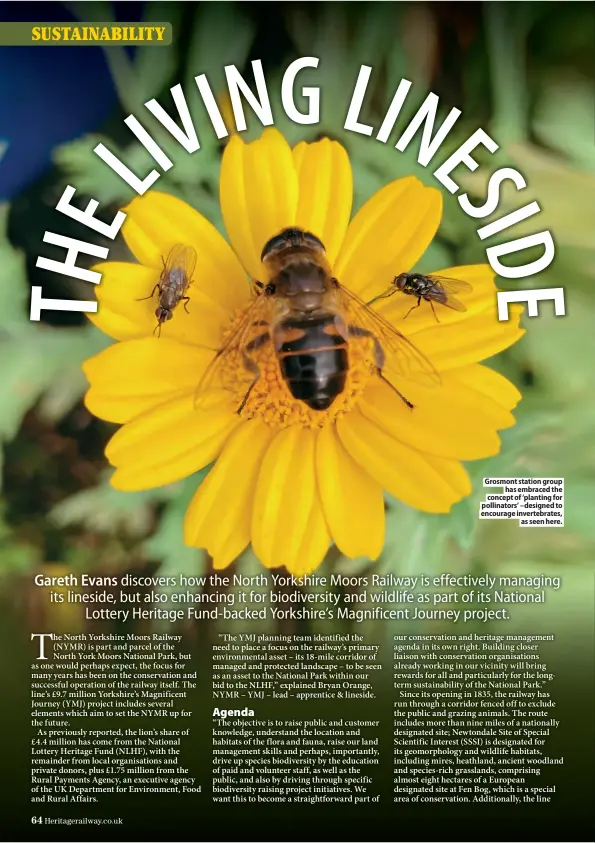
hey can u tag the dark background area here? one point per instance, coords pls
(522, 71)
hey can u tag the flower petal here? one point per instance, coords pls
(352, 501)
(220, 513)
(314, 545)
(489, 382)
(453, 346)
(481, 297)
(259, 194)
(388, 235)
(157, 221)
(127, 308)
(325, 192)
(427, 483)
(285, 502)
(130, 378)
(169, 442)
(454, 420)
(114, 325)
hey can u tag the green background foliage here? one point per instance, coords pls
(520, 71)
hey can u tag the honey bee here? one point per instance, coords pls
(311, 319)
(174, 280)
(431, 288)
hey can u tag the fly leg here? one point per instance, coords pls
(156, 287)
(251, 366)
(415, 306)
(186, 299)
(379, 359)
(434, 310)
(386, 295)
(394, 287)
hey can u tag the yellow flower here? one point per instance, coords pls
(288, 479)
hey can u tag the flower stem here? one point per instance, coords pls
(506, 49)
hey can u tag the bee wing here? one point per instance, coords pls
(402, 357)
(253, 324)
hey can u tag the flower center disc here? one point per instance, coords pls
(270, 398)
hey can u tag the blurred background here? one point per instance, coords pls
(522, 71)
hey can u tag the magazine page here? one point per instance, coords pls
(296, 421)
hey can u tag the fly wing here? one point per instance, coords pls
(228, 368)
(447, 287)
(451, 285)
(402, 358)
(180, 265)
(190, 258)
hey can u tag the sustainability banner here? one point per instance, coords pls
(297, 308)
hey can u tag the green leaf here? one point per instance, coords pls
(557, 347)
(104, 509)
(92, 176)
(462, 522)
(414, 542)
(578, 507)
(166, 545)
(18, 558)
(35, 359)
(566, 196)
(564, 118)
(154, 68)
(221, 35)
(14, 289)
(506, 42)
(142, 77)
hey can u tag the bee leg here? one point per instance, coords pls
(258, 341)
(405, 401)
(251, 366)
(379, 359)
(186, 299)
(415, 306)
(255, 371)
(156, 287)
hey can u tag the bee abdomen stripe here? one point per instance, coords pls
(313, 349)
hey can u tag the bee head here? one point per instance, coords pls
(291, 239)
